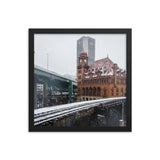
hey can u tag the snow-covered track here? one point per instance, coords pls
(46, 114)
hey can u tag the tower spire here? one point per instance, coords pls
(107, 55)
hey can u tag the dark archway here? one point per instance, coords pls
(87, 91)
(83, 91)
(98, 91)
(90, 91)
(94, 91)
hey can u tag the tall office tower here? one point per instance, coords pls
(86, 44)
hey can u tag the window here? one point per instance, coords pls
(107, 80)
(98, 91)
(94, 91)
(79, 71)
(86, 91)
(90, 91)
(79, 91)
(112, 92)
(117, 91)
(79, 77)
(122, 81)
(83, 92)
(122, 92)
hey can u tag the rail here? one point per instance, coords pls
(46, 114)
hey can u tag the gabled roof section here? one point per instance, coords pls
(106, 62)
(103, 66)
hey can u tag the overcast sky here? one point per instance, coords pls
(62, 50)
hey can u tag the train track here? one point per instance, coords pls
(54, 113)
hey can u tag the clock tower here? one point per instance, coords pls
(81, 69)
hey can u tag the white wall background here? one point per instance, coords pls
(15, 140)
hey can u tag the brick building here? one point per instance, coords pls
(101, 79)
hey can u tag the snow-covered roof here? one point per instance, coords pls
(105, 67)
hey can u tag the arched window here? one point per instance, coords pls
(98, 91)
(94, 91)
(79, 91)
(117, 90)
(90, 91)
(121, 91)
(112, 80)
(83, 91)
(87, 91)
(107, 80)
(112, 92)
(104, 93)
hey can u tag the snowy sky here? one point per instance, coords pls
(62, 50)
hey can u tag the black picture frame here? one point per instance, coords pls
(128, 32)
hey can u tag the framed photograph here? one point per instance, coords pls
(80, 80)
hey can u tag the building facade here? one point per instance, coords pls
(86, 44)
(101, 79)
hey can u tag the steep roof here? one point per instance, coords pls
(106, 62)
(104, 66)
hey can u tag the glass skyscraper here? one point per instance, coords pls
(86, 44)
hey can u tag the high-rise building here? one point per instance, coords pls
(86, 44)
